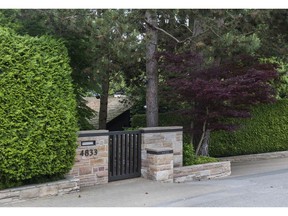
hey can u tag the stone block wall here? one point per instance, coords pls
(202, 171)
(91, 162)
(162, 137)
(161, 158)
(160, 164)
(20, 194)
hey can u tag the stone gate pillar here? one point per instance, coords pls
(91, 161)
(162, 137)
(160, 164)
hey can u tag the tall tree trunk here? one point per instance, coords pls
(198, 125)
(204, 149)
(197, 132)
(151, 69)
(203, 145)
(104, 101)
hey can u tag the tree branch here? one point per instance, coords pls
(187, 28)
(211, 29)
(165, 32)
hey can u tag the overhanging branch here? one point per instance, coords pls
(165, 32)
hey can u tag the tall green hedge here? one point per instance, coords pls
(267, 131)
(37, 108)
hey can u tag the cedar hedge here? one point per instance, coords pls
(38, 122)
(266, 131)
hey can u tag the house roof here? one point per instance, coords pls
(116, 106)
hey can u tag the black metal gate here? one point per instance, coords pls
(124, 155)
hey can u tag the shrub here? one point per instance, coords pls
(189, 157)
(37, 109)
(267, 131)
(188, 154)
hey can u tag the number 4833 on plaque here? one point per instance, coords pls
(88, 152)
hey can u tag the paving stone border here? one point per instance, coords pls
(20, 194)
(254, 157)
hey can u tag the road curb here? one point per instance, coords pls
(255, 157)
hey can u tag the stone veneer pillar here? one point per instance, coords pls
(162, 137)
(91, 162)
(160, 164)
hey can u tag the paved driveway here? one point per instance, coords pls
(251, 184)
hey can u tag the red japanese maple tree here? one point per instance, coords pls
(216, 93)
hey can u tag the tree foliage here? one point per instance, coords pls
(107, 46)
(213, 38)
(37, 108)
(220, 92)
(71, 27)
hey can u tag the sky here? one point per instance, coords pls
(160, 4)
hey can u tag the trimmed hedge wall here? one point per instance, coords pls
(267, 131)
(38, 122)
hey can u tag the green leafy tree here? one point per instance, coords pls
(108, 45)
(281, 85)
(113, 45)
(101, 43)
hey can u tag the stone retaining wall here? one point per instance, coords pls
(161, 157)
(20, 194)
(202, 171)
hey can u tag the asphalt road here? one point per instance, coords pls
(257, 184)
(251, 184)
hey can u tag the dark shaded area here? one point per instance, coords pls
(120, 122)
